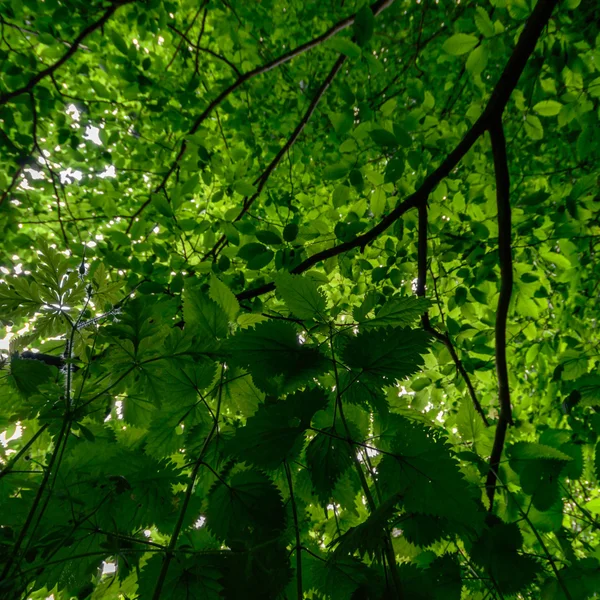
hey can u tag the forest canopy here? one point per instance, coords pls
(299, 299)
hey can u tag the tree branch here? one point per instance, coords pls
(261, 181)
(28, 87)
(495, 106)
(438, 335)
(506, 284)
(376, 7)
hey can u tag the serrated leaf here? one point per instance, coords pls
(245, 510)
(224, 297)
(276, 359)
(525, 451)
(204, 315)
(483, 22)
(301, 295)
(276, 431)
(386, 355)
(397, 311)
(328, 458)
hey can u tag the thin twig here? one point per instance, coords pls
(438, 335)
(297, 530)
(188, 495)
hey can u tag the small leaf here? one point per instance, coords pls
(268, 237)
(477, 60)
(533, 127)
(383, 138)
(364, 24)
(336, 171)
(99, 88)
(483, 22)
(301, 295)
(119, 42)
(290, 232)
(548, 108)
(394, 169)
(224, 297)
(345, 46)
(460, 43)
(244, 188)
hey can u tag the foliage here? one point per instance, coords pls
(299, 299)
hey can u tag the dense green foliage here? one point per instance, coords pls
(302, 299)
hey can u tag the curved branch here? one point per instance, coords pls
(438, 335)
(28, 87)
(495, 106)
(506, 284)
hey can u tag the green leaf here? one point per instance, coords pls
(533, 127)
(398, 311)
(204, 315)
(477, 60)
(469, 422)
(345, 46)
(525, 451)
(244, 188)
(290, 232)
(99, 88)
(460, 43)
(394, 169)
(276, 431)
(383, 138)
(483, 22)
(268, 237)
(224, 297)
(301, 295)
(340, 196)
(275, 357)
(333, 172)
(386, 355)
(547, 108)
(245, 510)
(364, 24)
(328, 457)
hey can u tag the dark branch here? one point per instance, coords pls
(28, 87)
(506, 84)
(506, 284)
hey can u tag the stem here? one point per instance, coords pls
(8, 468)
(387, 540)
(297, 528)
(438, 335)
(37, 499)
(188, 495)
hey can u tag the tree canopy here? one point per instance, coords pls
(299, 299)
